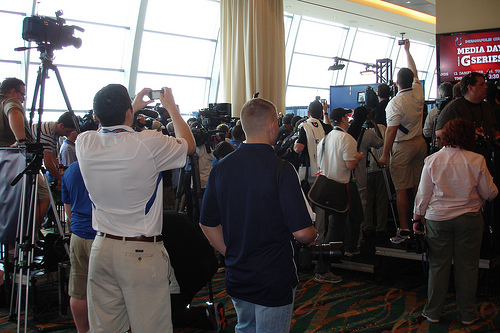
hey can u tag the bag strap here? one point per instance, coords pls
(360, 137)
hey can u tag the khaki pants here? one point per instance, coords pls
(128, 286)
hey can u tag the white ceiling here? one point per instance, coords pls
(367, 14)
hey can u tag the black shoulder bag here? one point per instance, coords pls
(328, 193)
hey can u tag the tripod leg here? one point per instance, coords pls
(24, 252)
(388, 188)
(20, 237)
(389, 193)
(197, 195)
(41, 86)
(180, 190)
(65, 96)
(35, 95)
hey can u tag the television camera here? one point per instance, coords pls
(148, 118)
(87, 122)
(49, 31)
(215, 114)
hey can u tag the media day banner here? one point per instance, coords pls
(461, 54)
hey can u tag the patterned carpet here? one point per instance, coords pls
(354, 305)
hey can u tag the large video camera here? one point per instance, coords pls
(87, 122)
(201, 135)
(147, 118)
(325, 252)
(46, 30)
(215, 114)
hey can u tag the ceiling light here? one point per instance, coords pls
(367, 72)
(336, 67)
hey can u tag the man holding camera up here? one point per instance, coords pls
(404, 142)
(129, 268)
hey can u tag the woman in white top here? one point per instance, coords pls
(454, 184)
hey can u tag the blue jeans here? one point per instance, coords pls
(263, 319)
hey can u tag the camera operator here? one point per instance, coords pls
(49, 136)
(222, 133)
(14, 129)
(50, 132)
(129, 269)
(237, 136)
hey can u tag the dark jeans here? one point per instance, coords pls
(182, 316)
(340, 229)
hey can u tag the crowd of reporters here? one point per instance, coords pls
(295, 141)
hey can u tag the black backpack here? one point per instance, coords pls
(285, 150)
(371, 99)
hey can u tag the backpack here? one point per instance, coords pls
(285, 150)
(314, 132)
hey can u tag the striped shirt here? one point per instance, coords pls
(48, 136)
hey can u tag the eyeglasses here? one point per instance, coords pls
(22, 93)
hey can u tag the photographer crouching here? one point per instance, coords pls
(129, 265)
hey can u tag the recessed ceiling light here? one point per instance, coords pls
(408, 1)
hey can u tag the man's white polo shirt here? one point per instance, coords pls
(122, 171)
(406, 109)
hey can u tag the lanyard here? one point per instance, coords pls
(118, 130)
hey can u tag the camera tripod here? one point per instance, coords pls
(26, 228)
(46, 56)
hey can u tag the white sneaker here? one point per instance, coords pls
(401, 236)
(328, 277)
(429, 318)
(470, 322)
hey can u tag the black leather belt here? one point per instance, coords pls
(141, 238)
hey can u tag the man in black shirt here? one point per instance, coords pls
(471, 106)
